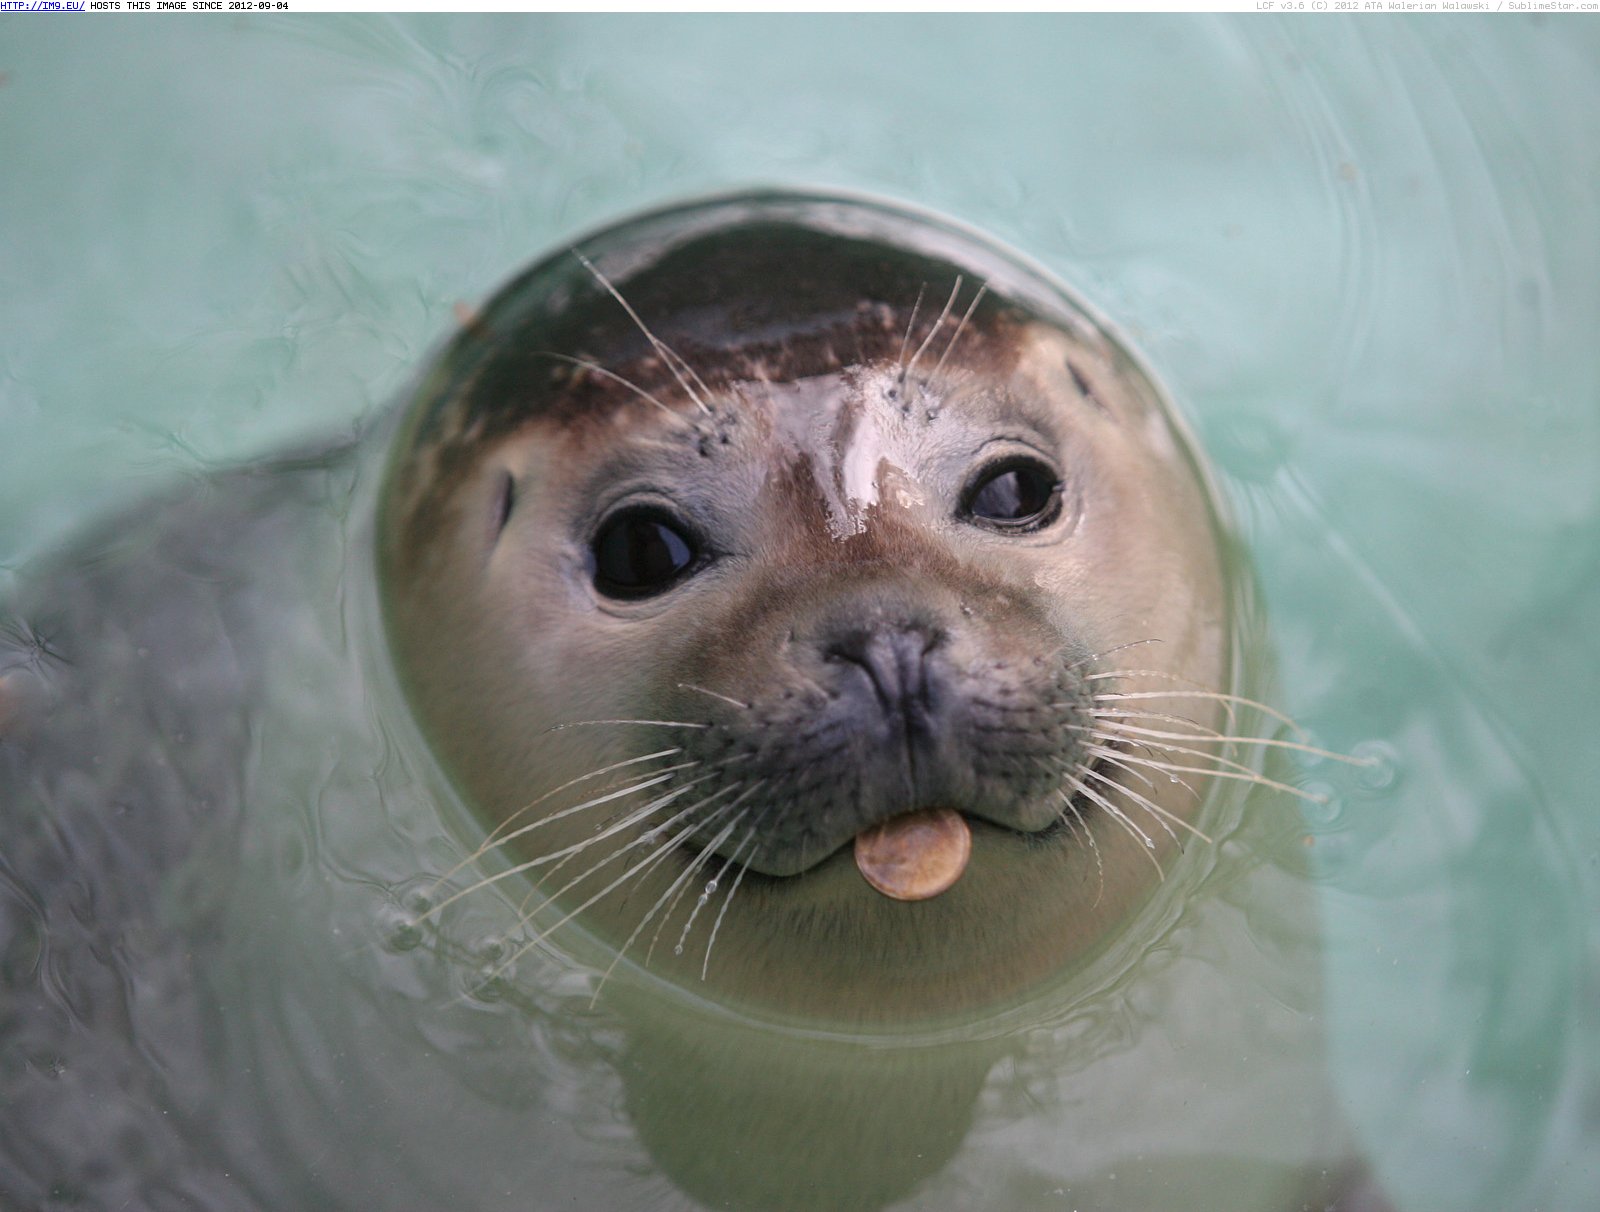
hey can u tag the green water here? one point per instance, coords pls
(1364, 256)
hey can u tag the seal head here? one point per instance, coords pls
(762, 545)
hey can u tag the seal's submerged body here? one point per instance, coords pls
(812, 599)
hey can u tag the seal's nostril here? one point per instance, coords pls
(895, 660)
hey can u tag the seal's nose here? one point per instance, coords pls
(894, 656)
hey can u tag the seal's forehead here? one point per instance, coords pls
(784, 285)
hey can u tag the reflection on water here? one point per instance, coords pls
(1364, 263)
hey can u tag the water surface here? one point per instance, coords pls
(1362, 254)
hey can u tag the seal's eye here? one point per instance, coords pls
(1015, 494)
(640, 552)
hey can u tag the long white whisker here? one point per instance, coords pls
(675, 889)
(667, 355)
(1113, 786)
(1074, 822)
(646, 864)
(713, 694)
(738, 878)
(664, 776)
(937, 325)
(1122, 819)
(1114, 757)
(1160, 813)
(656, 723)
(1201, 732)
(1247, 776)
(1216, 696)
(596, 368)
(1096, 798)
(495, 839)
(1110, 732)
(700, 860)
(905, 341)
(632, 818)
(960, 328)
(710, 889)
(1242, 740)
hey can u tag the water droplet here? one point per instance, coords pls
(678, 949)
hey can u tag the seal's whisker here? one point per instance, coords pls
(657, 777)
(960, 328)
(491, 844)
(1227, 701)
(905, 341)
(1110, 756)
(1106, 674)
(1160, 813)
(620, 823)
(1202, 735)
(628, 820)
(1201, 731)
(675, 890)
(1122, 820)
(595, 368)
(655, 723)
(1095, 656)
(713, 694)
(496, 837)
(648, 863)
(649, 837)
(1114, 757)
(1245, 775)
(680, 885)
(666, 354)
(1113, 732)
(1202, 692)
(706, 852)
(944, 315)
(738, 878)
(1114, 786)
(1096, 798)
(711, 886)
(1073, 816)
(573, 782)
(1223, 738)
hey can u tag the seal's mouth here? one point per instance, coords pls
(921, 853)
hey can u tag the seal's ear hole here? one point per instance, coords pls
(641, 551)
(505, 501)
(1013, 494)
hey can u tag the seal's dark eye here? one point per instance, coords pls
(640, 552)
(1017, 494)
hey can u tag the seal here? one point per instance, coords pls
(818, 600)
(827, 624)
